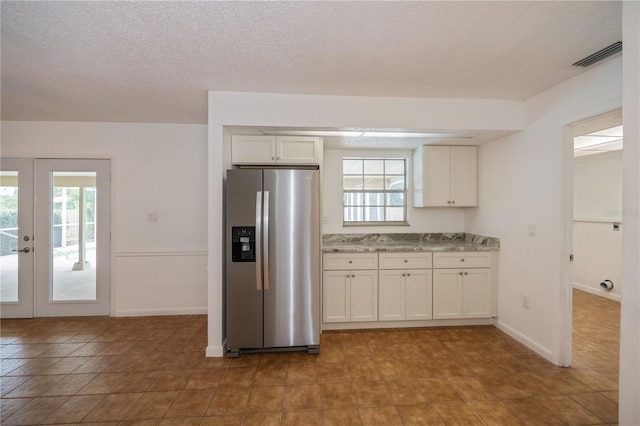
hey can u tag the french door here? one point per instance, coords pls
(55, 237)
(16, 238)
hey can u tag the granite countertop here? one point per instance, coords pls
(363, 243)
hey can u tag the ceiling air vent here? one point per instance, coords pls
(600, 55)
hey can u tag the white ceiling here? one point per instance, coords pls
(155, 61)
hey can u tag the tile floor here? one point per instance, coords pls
(152, 370)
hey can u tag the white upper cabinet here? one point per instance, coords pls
(445, 176)
(298, 149)
(253, 149)
(260, 149)
(464, 176)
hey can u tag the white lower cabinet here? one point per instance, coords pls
(364, 296)
(462, 293)
(476, 293)
(447, 294)
(392, 295)
(405, 295)
(350, 296)
(368, 287)
(336, 296)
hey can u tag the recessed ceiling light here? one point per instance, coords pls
(416, 135)
(326, 133)
(367, 134)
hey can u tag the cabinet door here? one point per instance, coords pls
(298, 149)
(464, 176)
(476, 293)
(336, 303)
(253, 149)
(447, 293)
(364, 296)
(419, 300)
(436, 176)
(391, 295)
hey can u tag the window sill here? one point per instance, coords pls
(375, 224)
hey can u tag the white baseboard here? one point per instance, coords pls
(597, 292)
(404, 324)
(534, 346)
(214, 351)
(160, 312)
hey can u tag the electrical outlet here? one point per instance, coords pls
(526, 303)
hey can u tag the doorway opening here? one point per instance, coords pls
(597, 248)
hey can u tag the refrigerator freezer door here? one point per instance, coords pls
(242, 289)
(291, 304)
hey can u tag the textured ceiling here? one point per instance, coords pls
(155, 61)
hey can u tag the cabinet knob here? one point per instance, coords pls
(408, 275)
(462, 260)
(350, 261)
(460, 273)
(453, 202)
(405, 261)
(353, 276)
(466, 273)
(448, 202)
(404, 275)
(277, 158)
(348, 275)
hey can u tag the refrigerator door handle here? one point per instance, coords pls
(266, 240)
(258, 240)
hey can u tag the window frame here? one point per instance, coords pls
(384, 191)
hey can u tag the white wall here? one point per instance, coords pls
(420, 220)
(525, 180)
(597, 251)
(597, 200)
(157, 268)
(630, 308)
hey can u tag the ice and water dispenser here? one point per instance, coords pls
(243, 243)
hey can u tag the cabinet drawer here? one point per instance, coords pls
(462, 260)
(407, 260)
(338, 261)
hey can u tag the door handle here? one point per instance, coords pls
(265, 249)
(259, 240)
(24, 250)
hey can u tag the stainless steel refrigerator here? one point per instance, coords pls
(272, 275)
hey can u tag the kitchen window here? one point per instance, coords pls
(374, 191)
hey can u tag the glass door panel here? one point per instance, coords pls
(73, 223)
(9, 236)
(73, 231)
(16, 238)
